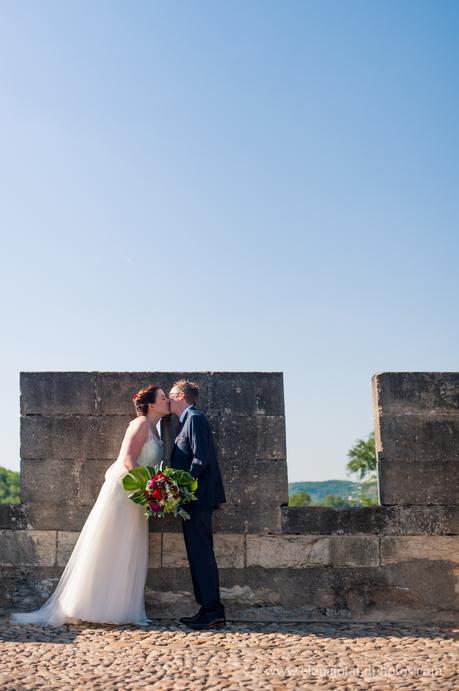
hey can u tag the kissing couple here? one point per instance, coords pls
(104, 578)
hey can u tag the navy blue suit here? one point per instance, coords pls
(194, 451)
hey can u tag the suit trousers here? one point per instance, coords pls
(197, 532)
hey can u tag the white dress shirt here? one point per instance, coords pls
(184, 412)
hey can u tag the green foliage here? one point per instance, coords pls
(362, 458)
(299, 499)
(337, 501)
(135, 481)
(9, 486)
(362, 461)
(319, 490)
(343, 493)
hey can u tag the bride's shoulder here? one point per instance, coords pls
(139, 423)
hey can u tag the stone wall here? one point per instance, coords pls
(394, 561)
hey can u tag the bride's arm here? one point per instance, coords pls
(135, 438)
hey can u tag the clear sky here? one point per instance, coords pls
(231, 185)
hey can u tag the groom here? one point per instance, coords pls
(194, 451)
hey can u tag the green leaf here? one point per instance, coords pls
(183, 478)
(137, 478)
(134, 483)
(138, 497)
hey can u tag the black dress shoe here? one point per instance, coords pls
(206, 622)
(186, 620)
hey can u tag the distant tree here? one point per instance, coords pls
(9, 486)
(359, 492)
(336, 501)
(362, 458)
(300, 499)
(364, 499)
(362, 461)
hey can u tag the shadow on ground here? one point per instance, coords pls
(69, 633)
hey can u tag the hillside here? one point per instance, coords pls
(318, 490)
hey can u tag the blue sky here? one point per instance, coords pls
(232, 186)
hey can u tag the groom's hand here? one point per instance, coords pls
(199, 440)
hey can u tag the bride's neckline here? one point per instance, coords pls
(153, 434)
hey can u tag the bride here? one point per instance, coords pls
(105, 577)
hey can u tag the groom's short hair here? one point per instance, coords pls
(189, 388)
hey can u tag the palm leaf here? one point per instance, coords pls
(137, 478)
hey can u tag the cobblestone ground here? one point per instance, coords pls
(241, 656)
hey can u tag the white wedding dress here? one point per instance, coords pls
(104, 579)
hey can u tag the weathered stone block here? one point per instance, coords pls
(66, 542)
(8, 588)
(404, 393)
(154, 550)
(229, 518)
(384, 520)
(27, 547)
(115, 389)
(421, 590)
(247, 393)
(174, 551)
(263, 481)
(168, 524)
(295, 551)
(91, 477)
(354, 550)
(408, 548)
(450, 520)
(233, 393)
(251, 518)
(419, 483)
(229, 551)
(56, 516)
(271, 443)
(256, 593)
(169, 592)
(73, 436)
(237, 437)
(424, 589)
(269, 391)
(420, 520)
(416, 438)
(267, 480)
(323, 520)
(287, 551)
(49, 481)
(12, 517)
(57, 393)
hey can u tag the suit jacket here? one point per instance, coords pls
(194, 451)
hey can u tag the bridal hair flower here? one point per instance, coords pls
(145, 395)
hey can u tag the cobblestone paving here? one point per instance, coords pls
(241, 656)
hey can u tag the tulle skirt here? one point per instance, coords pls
(104, 579)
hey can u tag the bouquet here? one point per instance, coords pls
(162, 490)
